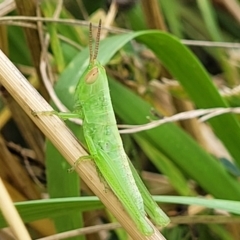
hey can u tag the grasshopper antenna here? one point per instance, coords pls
(90, 43)
(97, 40)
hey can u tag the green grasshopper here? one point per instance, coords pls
(93, 105)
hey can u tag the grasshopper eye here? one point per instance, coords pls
(92, 76)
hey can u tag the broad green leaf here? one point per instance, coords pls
(169, 138)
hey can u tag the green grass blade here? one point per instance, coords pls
(48, 9)
(53, 208)
(227, 205)
(165, 166)
(209, 19)
(39, 209)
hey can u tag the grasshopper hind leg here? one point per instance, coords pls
(151, 207)
(126, 192)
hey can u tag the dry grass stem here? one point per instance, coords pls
(11, 215)
(63, 139)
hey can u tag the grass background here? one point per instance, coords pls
(151, 74)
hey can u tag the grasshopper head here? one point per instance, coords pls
(92, 73)
(94, 78)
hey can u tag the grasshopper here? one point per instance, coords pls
(93, 105)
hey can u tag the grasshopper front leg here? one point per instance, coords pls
(62, 115)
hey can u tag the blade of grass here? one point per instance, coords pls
(55, 207)
(38, 209)
(165, 166)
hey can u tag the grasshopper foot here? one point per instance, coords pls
(35, 113)
(87, 157)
